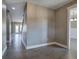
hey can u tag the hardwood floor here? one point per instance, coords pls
(17, 51)
(47, 52)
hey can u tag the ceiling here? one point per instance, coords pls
(46, 3)
(17, 14)
(53, 4)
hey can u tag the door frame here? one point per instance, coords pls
(69, 24)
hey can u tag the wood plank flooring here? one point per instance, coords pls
(17, 51)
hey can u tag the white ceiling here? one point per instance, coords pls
(19, 6)
(46, 3)
(15, 1)
(17, 14)
(53, 4)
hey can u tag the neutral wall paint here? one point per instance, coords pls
(61, 23)
(4, 24)
(12, 27)
(45, 25)
(39, 23)
(51, 26)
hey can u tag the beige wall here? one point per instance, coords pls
(51, 26)
(39, 23)
(61, 26)
(46, 25)
(61, 23)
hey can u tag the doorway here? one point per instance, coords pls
(72, 31)
(18, 28)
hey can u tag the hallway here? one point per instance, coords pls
(17, 51)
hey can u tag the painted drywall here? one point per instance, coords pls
(61, 23)
(12, 27)
(39, 21)
(4, 31)
(61, 26)
(51, 26)
(45, 25)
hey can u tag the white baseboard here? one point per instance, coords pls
(64, 46)
(40, 45)
(45, 44)
(3, 52)
(24, 44)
